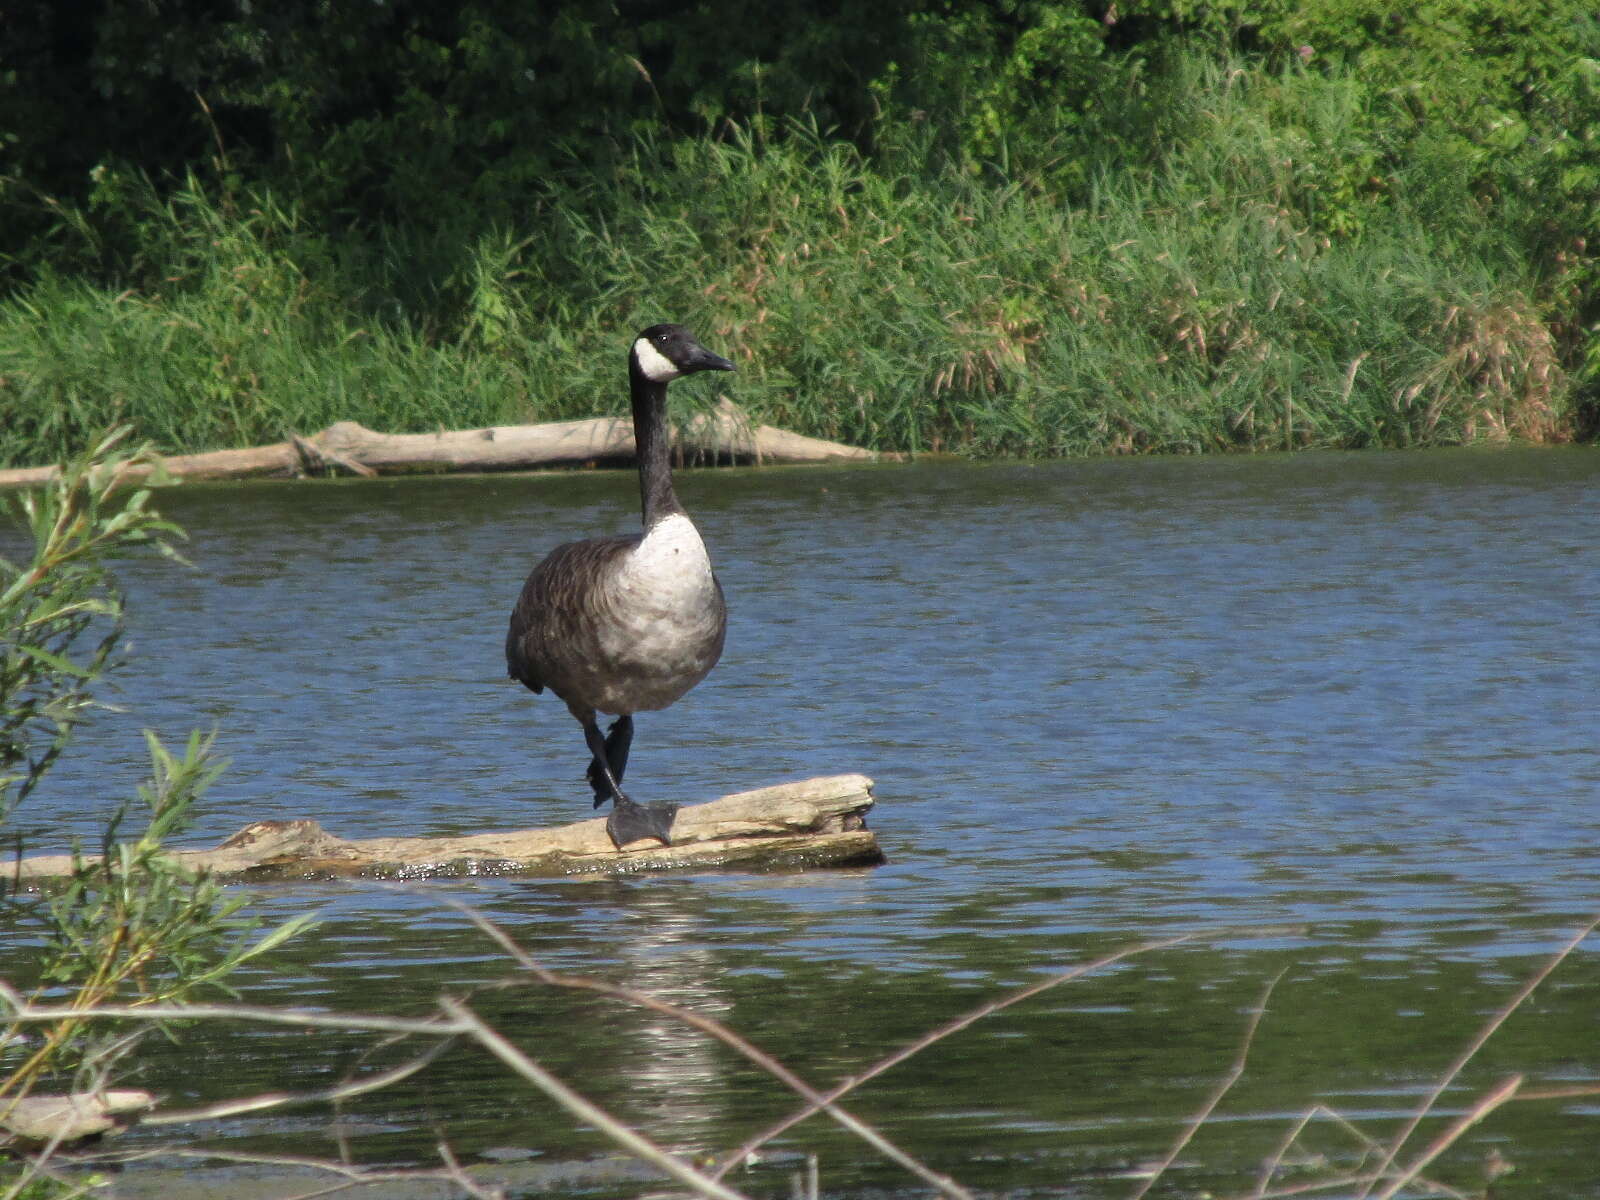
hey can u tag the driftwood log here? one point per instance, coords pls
(811, 823)
(724, 435)
(32, 1122)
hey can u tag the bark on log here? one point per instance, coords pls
(724, 435)
(811, 823)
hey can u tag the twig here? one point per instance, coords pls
(751, 1145)
(636, 1143)
(1349, 1179)
(464, 1181)
(1483, 1035)
(332, 1189)
(1269, 1169)
(1493, 1100)
(350, 1171)
(1319, 1185)
(22, 1012)
(459, 1021)
(1217, 1093)
(264, 1100)
(1559, 1093)
(350, 1176)
(726, 1036)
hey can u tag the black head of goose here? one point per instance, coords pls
(627, 624)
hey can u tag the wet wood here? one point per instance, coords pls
(725, 435)
(810, 823)
(36, 1121)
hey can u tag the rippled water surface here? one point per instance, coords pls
(1103, 703)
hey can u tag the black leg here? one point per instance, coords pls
(628, 822)
(619, 739)
(617, 742)
(601, 777)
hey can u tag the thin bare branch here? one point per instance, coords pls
(582, 1108)
(1310, 1187)
(332, 1189)
(462, 1180)
(349, 1171)
(1559, 1093)
(1349, 1179)
(348, 1175)
(751, 1145)
(24, 1013)
(1491, 1101)
(729, 1038)
(1269, 1169)
(265, 1100)
(1476, 1044)
(1354, 1179)
(1224, 1085)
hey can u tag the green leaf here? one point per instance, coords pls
(55, 661)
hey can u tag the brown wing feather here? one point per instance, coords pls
(550, 613)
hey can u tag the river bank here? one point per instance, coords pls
(1244, 288)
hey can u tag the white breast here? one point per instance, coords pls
(665, 626)
(671, 560)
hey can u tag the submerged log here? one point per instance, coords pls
(723, 435)
(811, 823)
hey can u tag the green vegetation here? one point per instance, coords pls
(60, 599)
(1026, 229)
(130, 925)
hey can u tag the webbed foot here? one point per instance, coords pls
(631, 822)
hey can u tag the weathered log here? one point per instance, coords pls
(35, 1121)
(811, 823)
(724, 435)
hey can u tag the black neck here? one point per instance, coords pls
(652, 448)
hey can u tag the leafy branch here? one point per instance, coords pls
(130, 925)
(62, 593)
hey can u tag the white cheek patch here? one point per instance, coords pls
(657, 367)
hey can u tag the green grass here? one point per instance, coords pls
(1258, 263)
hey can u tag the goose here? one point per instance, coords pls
(627, 624)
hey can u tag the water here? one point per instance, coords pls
(1103, 702)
